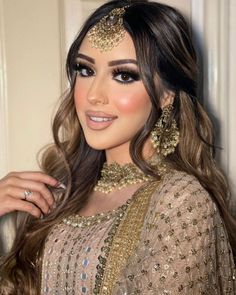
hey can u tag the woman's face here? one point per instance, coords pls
(111, 101)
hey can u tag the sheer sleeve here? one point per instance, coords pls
(184, 247)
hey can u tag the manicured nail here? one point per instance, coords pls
(61, 185)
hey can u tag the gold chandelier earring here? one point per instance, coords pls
(165, 137)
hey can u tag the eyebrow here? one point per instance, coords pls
(110, 63)
(121, 62)
(88, 58)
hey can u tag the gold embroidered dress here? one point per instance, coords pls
(168, 239)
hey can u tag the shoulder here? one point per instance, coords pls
(181, 189)
(181, 208)
(182, 231)
(179, 182)
(181, 197)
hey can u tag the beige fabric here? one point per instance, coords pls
(183, 249)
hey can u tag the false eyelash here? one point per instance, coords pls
(123, 70)
(78, 65)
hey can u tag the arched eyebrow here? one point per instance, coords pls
(121, 62)
(110, 63)
(88, 58)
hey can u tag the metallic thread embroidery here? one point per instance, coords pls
(122, 240)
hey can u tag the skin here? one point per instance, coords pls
(12, 188)
(98, 89)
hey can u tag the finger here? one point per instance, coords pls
(39, 201)
(32, 186)
(33, 197)
(15, 192)
(36, 176)
(19, 205)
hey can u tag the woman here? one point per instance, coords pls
(131, 200)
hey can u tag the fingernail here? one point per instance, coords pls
(41, 216)
(61, 185)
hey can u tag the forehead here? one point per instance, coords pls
(125, 49)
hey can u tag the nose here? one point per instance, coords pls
(97, 93)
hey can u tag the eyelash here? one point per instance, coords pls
(78, 67)
(134, 75)
(131, 74)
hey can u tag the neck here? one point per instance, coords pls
(121, 154)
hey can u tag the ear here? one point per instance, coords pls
(167, 98)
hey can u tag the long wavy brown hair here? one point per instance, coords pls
(164, 50)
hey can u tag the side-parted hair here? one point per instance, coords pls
(167, 62)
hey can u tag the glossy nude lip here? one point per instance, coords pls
(99, 120)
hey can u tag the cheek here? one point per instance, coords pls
(129, 103)
(80, 94)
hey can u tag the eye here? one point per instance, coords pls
(83, 70)
(125, 76)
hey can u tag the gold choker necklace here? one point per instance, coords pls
(116, 176)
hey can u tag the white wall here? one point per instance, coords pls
(32, 59)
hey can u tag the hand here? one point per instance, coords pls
(28, 192)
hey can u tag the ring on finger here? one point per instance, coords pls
(27, 193)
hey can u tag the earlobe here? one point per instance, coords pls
(167, 99)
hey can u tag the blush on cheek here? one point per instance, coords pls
(80, 96)
(132, 103)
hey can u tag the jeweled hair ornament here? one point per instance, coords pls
(109, 31)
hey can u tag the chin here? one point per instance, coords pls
(106, 144)
(97, 145)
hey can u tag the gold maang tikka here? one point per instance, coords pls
(109, 31)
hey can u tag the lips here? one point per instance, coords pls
(97, 120)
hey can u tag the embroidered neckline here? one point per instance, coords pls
(122, 239)
(77, 220)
